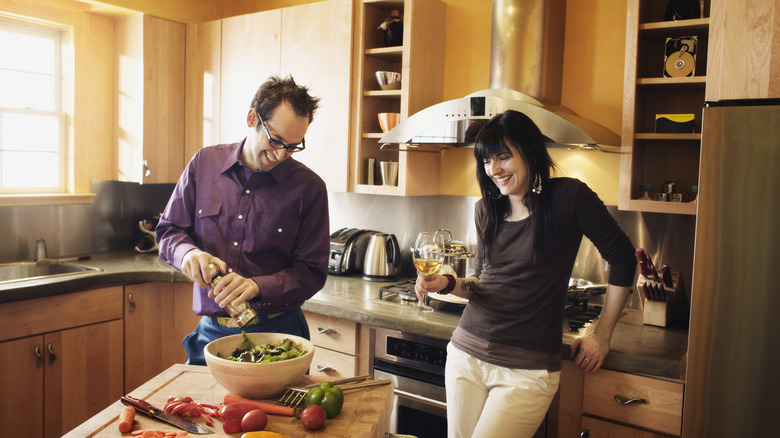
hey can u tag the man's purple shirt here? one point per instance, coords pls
(271, 227)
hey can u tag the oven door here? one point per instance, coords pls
(414, 414)
(415, 364)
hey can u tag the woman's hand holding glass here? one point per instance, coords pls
(428, 256)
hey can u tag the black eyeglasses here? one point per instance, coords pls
(276, 144)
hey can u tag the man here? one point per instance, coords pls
(259, 215)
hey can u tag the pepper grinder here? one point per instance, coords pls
(243, 313)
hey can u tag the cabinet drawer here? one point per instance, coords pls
(661, 410)
(59, 312)
(604, 429)
(333, 333)
(332, 363)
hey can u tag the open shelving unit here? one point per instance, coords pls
(649, 157)
(420, 61)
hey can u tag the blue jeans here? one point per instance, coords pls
(292, 322)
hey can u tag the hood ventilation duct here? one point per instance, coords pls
(526, 58)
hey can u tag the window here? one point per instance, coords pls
(33, 122)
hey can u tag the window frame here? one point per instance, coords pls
(63, 79)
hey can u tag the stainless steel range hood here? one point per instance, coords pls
(526, 60)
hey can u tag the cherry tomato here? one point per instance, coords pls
(254, 420)
(313, 417)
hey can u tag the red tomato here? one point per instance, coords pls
(254, 420)
(313, 417)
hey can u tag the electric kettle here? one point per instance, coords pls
(383, 258)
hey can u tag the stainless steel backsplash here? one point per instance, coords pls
(110, 223)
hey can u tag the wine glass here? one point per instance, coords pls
(428, 256)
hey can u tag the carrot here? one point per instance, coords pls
(268, 408)
(126, 417)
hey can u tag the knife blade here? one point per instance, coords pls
(159, 414)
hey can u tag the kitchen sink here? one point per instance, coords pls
(22, 271)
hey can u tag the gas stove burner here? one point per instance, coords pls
(405, 290)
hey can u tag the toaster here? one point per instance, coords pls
(347, 250)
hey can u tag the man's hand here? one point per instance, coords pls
(233, 289)
(195, 266)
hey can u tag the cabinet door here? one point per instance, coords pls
(157, 317)
(324, 41)
(83, 374)
(21, 388)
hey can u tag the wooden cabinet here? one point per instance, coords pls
(61, 361)
(229, 59)
(649, 157)
(744, 41)
(420, 61)
(646, 403)
(341, 346)
(149, 65)
(157, 317)
(588, 402)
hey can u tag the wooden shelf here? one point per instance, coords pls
(696, 136)
(662, 207)
(394, 94)
(671, 82)
(674, 28)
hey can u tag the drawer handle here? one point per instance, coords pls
(325, 331)
(585, 434)
(52, 356)
(132, 303)
(629, 401)
(324, 369)
(39, 360)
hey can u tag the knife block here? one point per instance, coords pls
(664, 313)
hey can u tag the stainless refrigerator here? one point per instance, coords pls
(733, 373)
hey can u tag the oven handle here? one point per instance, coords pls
(419, 398)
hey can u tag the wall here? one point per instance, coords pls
(592, 84)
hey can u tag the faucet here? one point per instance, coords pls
(40, 249)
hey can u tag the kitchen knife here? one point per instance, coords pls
(159, 414)
(667, 276)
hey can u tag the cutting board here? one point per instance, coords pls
(364, 415)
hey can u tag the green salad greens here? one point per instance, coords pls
(264, 353)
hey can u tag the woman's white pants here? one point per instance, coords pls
(488, 401)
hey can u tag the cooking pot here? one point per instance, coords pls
(580, 290)
(383, 258)
(455, 253)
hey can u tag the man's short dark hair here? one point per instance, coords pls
(275, 90)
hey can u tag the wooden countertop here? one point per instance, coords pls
(364, 414)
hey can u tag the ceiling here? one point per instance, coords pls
(189, 11)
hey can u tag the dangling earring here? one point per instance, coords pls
(537, 188)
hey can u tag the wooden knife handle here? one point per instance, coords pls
(137, 403)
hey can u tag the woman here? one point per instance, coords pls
(504, 358)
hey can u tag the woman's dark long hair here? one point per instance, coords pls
(515, 129)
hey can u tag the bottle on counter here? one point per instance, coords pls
(242, 313)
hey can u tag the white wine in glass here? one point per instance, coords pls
(428, 257)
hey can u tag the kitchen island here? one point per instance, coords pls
(363, 415)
